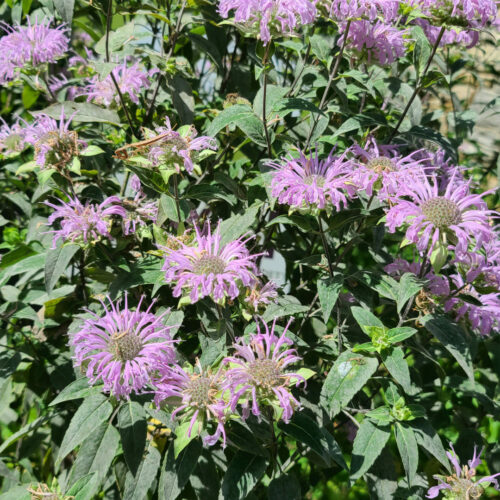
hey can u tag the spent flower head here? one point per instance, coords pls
(208, 268)
(27, 47)
(463, 484)
(197, 395)
(55, 145)
(258, 374)
(123, 349)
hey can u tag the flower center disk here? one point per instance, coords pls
(200, 389)
(441, 211)
(381, 164)
(310, 179)
(265, 372)
(125, 345)
(209, 264)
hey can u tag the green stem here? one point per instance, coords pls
(264, 96)
(325, 247)
(418, 85)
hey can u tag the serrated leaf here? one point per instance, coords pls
(453, 339)
(96, 453)
(347, 376)
(366, 320)
(395, 362)
(368, 445)
(408, 449)
(237, 225)
(328, 293)
(243, 473)
(56, 264)
(137, 486)
(307, 431)
(83, 112)
(428, 439)
(175, 472)
(65, 9)
(79, 388)
(91, 413)
(132, 425)
(400, 333)
(408, 286)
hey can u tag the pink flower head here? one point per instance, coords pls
(343, 10)
(462, 482)
(455, 216)
(270, 17)
(84, 223)
(308, 182)
(139, 212)
(55, 145)
(197, 393)
(482, 310)
(382, 169)
(262, 295)
(123, 348)
(258, 375)
(131, 80)
(207, 268)
(176, 149)
(377, 40)
(30, 46)
(12, 138)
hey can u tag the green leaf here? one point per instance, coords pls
(65, 9)
(182, 97)
(117, 39)
(385, 285)
(175, 472)
(453, 339)
(286, 306)
(94, 410)
(395, 362)
(238, 224)
(38, 422)
(85, 488)
(244, 118)
(285, 487)
(306, 430)
(243, 473)
(274, 97)
(137, 486)
(408, 449)
(409, 285)
(428, 439)
(17, 493)
(96, 453)
(132, 424)
(79, 388)
(84, 112)
(400, 333)
(366, 320)
(91, 151)
(368, 445)
(328, 293)
(299, 221)
(347, 376)
(56, 264)
(182, 437)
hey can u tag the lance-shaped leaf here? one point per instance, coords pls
(347, 376)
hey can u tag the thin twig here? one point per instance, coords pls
(109, 17)
(418, 85)
(332, 76)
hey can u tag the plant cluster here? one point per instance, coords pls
(249, 249)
